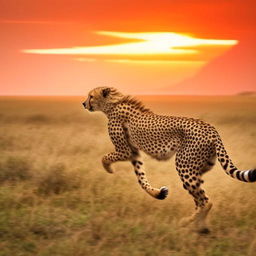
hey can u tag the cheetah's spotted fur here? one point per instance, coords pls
(133, 128)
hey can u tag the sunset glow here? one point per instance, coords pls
(155, 47)
(151, 44)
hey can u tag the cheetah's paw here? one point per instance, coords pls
(163, 193)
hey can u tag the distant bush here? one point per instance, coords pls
(57, 180)
(37, 118)
(15, 169)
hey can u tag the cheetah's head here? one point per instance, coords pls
(101, 97)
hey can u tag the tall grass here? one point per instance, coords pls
(15, 169)
(56, 199)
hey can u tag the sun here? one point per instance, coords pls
(150, 43)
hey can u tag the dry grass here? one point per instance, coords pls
(14, 169)
(55, 198)
(57, 180)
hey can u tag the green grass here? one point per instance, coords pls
(56, 199)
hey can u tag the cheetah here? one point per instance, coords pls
(133, 128)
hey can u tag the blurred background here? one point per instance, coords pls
(145, 47)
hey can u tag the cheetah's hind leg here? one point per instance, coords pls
(198, 220)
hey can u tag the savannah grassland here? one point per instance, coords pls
(56, 199)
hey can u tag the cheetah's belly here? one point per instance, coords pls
(158, 147)
(163, 156)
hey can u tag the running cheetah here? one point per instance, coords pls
(134, 128)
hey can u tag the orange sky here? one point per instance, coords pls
(55, 47)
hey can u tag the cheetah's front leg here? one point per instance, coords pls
(113, 157)
(142, 179)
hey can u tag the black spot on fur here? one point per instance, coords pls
(232, 170)
(225, 166)
(134, 162)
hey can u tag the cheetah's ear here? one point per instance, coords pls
(106, 92)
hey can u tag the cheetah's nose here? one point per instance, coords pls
(84, 104)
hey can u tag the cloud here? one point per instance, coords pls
(85, 59)
(147, 46)
(155, 62)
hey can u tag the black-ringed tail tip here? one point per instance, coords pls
(163, 193)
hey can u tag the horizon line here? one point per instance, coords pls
(137, 94)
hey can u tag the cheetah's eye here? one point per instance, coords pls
(91, 96)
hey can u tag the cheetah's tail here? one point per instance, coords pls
(228, 166)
